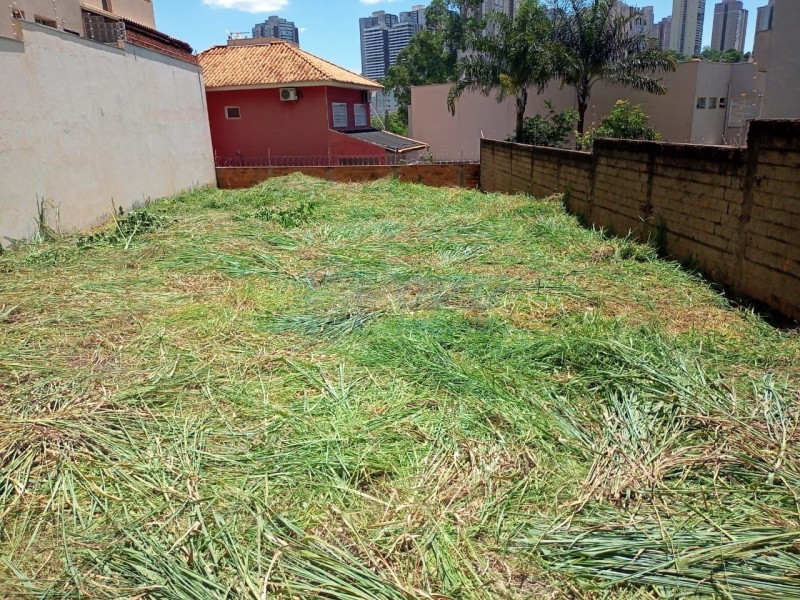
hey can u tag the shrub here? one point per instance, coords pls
(624, 122)
(551, 129)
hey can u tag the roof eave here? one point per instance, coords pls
(296, 84)
(411, 149)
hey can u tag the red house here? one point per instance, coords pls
(270, 103)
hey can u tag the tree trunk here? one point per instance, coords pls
(583, 104)
(522, 103)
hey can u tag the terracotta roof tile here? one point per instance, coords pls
(272, 64)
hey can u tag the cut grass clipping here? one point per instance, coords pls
(316, 390)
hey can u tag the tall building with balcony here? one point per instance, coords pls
(384, 36)
(374, 34)
(415, 15)
(641, 19)
(644, 20)
(84, 18)
(730, 26)
(278, 28)
(688, 17)
(662, 31)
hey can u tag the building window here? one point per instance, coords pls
(46, 22)
(340, 114)
(701, 103)
(233, 112)
(17, 14)
(741, 112)
(107, 5)
(712, 103)
(723, 102)
(361, 115)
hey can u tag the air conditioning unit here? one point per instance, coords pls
(288, 94)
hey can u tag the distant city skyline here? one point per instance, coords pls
(329, 30)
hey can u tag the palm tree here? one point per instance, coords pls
(595, 41)
(514, 56)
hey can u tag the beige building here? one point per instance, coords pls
(707, 103)
(78, 17)
(777, 57)
(97, 111)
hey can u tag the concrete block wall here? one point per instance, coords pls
(733, 213)
(466, 175)
(86, 127)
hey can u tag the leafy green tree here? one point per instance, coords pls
(624, 122)
(728, 56)
(514, 56)
(595, 43)
(431, 55)
(710, 54)
(676, 56)
(394, 123)
(424, 61)
(457, 21)
(732, 56)
(551, 129)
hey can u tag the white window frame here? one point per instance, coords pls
(228, 115)
(337, 118)
(361, 110)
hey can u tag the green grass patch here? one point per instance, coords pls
(316, 390)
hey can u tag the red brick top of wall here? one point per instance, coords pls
(138, 39)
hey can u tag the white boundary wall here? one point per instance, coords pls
(85, 126)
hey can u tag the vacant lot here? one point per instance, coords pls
(309, 390)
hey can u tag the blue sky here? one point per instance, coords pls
(328, 28)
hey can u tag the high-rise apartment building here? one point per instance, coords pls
(641, 18)
(384, 36)
(730, 26)
(662, 31)
(399, 37)
(765, 16)
(278, 28)
(415, 15)
(688, 17)
(645, 20)
(509, 7)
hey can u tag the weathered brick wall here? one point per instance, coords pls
(735, 214)
(465, 175)
(769, 245)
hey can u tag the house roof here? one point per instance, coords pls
(158, 36)
(274, 64)
(389, 141)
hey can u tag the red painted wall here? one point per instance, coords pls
(269, 127)
(350, 97)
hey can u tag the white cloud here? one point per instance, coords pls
(251, 6)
